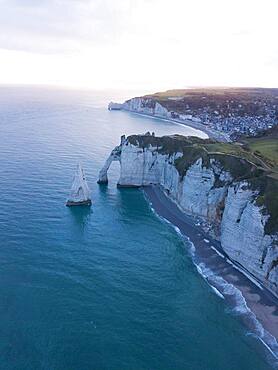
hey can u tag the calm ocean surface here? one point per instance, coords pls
(113, 287)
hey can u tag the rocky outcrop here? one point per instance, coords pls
(115, 106)
(146, 106)
(207, 186)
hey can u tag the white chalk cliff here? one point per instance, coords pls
(207, 189)
(146, 106)
(150, 107)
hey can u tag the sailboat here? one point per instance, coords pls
(79, 192)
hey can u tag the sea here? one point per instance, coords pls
(111, 287)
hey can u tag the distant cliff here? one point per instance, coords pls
(228, 111)
(151, 107)
(222, 183)
(146, 106)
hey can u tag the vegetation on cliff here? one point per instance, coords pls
(233, 111)
(220, 101)
(265, 148)
(254, 160)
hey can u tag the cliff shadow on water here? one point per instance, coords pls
(80, 216)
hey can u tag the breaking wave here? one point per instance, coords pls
(223, 290)
(241, 308)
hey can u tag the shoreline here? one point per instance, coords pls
(257, 307)
(218, 136)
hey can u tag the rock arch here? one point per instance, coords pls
(114, 156)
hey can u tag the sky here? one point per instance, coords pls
(139, 44)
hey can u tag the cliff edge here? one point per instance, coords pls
(234, 189)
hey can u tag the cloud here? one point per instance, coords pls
(158, 43)
(60, 25)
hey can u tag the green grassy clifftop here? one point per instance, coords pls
(227, 101)
(254, 160)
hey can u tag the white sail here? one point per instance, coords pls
(80, 192)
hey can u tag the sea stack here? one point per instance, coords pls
(80, 192)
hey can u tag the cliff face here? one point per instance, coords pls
(233, 111)
(146, 106)
(152, 107)
(203, 185)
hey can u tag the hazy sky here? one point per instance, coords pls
(149, 44)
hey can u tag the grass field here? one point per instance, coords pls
(265, 148)
(262, 151)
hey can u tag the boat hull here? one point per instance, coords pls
(83, 203)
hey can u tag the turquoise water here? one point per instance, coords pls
(111, 287)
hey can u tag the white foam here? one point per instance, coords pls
(192, 248)
(241, 308)
(206, 241)
(177, 230)
(200, 270)
(205, 273)
(225, 288)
